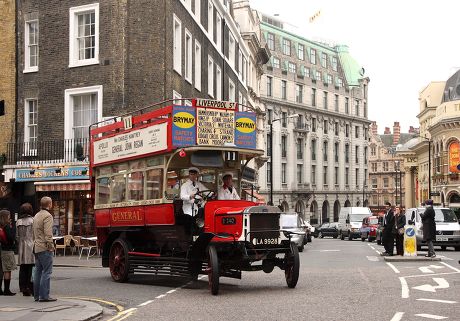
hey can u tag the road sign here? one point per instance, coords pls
(435, 194)
(410, 242)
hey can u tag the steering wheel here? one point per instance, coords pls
(206, 194)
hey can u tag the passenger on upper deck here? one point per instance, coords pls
(228, 191)
(188, 191)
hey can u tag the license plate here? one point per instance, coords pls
(265, 241)
(442, 239)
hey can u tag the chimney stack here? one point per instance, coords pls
(387, 131)
(374, 128)
(396, 132)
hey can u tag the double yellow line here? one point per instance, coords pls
(121, 312)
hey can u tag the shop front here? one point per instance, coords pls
(70, 189)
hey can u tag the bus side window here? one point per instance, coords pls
(154, 179)
(118, 188)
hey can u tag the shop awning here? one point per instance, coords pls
(259, 198)
(78, 185)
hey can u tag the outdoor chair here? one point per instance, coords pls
(75, 244)
(62, 244)
(88, 245)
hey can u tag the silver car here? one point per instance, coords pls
(291, 223)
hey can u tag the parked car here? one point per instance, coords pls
(329, 229)
(317, 228)
(369, 228)
(292, 222)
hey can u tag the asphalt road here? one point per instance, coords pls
(339, 280)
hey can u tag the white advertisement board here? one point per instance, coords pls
(135, 143)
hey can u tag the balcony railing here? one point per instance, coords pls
(51, 151)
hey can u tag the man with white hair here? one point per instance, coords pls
(227, 191)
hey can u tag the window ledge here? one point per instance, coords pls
(82, 63)
(29, 70)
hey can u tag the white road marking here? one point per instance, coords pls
(444, 257)
(398, 316)
(428, 269)
(372, 247)
(425, 275)
(372, 258)
(404, 288)
(145, 303)
(450, 266)
(326, 250)
(430, 316)
(438, 301)
(160, 296)
(171, 291)
(378, 252)
(442, 284)
(393, 267)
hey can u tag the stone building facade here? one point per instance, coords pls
(439, 119)
(390, 163)
(315, 98)
(85, 61)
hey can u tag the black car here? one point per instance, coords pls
(329, 229)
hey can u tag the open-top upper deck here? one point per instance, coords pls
(165, 127)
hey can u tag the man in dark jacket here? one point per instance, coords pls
(429, 227)
(387, 233)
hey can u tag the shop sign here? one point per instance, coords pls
(132, 144)
(454, 158)
(52, 174)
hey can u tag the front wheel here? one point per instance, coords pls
(118, 261)
(292, 266)
(213, 270)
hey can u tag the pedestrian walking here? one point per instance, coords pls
(387, 233)
(8, 258)
(400, 222)
(43, 249)
(25, 241)
(429, 227)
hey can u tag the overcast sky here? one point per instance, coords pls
(402, 44)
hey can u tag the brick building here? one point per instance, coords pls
(7, 84)
(83, 61)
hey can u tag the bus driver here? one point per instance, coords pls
(188, 191)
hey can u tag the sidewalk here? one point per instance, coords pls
(21, 308)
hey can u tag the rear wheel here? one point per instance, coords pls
(118, 261)
(292, 266)
(213, 270)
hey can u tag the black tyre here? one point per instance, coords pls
(335, 236)
(292, 266)
(213, 270)
(118, 261)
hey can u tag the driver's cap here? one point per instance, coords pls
(194, 169)
(227, 174)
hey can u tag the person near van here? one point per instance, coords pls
(429, 227)
(387, 233)
(25, 240)
(400, 221)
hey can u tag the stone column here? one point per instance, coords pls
(408, 187)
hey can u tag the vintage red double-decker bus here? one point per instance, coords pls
(139, 163)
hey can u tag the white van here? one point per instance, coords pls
(350, 221)
(447, 227)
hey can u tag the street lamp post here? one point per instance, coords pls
(271, 156)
